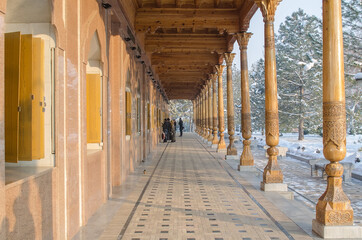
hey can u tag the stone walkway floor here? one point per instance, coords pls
(297, 176)
(188, 193)
(185, 190)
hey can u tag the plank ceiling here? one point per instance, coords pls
(185, 38)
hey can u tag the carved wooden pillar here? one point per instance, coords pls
(203, 113)
(206, 96)
(334, 207)
(246, 158)
(194, 114)
(231, 149)
(272, 172)
(209, 98)
(221, 146)
(199, 115)
(215, 141)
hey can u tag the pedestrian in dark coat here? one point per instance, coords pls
(181, 124)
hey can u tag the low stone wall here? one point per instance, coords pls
(29, 207)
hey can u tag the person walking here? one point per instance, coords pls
(181, 124)
(166, 127)
(173, 131)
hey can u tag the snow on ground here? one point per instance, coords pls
(312, 147)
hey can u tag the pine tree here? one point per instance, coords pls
(257, 95)
(352, 39)
(182, 109)
(299, 69)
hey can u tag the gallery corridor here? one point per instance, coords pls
(186, 191)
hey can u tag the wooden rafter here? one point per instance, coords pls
(186, 43)
(151, 19)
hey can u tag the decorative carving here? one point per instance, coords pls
(334, 207)
(229, 58)
(334, 124)
(246, 158)
(268, 8)
(271, 124)
(269, 42)
(219, 69)
(246, 125)
(243, 39)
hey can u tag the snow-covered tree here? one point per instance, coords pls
(182, 109)
(352, 38)
(257, 95)
(299, 69)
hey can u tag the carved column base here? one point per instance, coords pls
(334, 207)
(204, 133)
(214, 139)
(210, 137)
(246, 158)
(221, 144)
(272, 171)
(231, 149)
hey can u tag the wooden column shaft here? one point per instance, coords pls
(214, 109)
(231, 149)
(246, 158)
(333, 207)
(221, 143)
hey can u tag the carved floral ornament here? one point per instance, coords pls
(229, 58)
(334, 123)
(243, 39)
(268, 8)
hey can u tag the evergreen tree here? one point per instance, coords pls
(182, 109)
(299, 69)
(257, 95)
(352, 39)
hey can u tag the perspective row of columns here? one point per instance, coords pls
(333, 208)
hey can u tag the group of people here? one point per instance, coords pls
(169, 129)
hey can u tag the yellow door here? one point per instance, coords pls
(38, 103)
(94, 108)
(25, 98)
(12, 77)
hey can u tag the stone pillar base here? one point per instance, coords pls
(214, 146)
(337, 232)
(223, 150)
(247, 168)
(231, 157)
(274, 187)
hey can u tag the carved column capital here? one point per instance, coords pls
(219, 68)
(268, 8)
(243, 39)
(229, 58)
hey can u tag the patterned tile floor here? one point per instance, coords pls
(191, 196)
(297, 176)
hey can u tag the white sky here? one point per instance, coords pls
(285, 8)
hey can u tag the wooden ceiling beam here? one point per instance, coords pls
(184, 59)
(247, 11)
(151, 19)
(184, 68)
(186, 43)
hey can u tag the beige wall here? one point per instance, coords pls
(30, 208)
(81, 179)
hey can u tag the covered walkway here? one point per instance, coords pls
(189, 192)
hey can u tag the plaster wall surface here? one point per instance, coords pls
(54, 204)
(29, 207)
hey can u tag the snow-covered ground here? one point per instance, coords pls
(312, 147)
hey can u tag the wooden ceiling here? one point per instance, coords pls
(185, 39)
